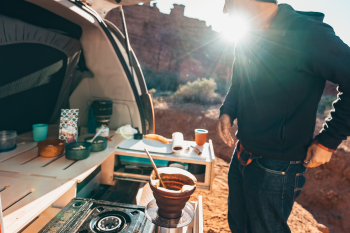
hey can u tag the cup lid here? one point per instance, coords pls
(40, 125)
(201, 131)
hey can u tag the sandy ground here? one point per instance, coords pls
(326, 193)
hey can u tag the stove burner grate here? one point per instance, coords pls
(109, 223)
(83, 215)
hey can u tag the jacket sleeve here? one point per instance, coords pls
(325, 55)
(231, 100)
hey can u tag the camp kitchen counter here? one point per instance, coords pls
(207, 159)
(31, 185)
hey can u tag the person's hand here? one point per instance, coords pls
(316, 156)
(223, 126)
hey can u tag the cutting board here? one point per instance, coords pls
(151, 145)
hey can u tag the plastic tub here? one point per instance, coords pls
(78, 154)
(96, 145)
(51, 147)
(179, 165)
(127, 160)
(7, 140)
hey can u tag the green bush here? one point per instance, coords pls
(152, 91)
(201, 91)
(162, 82)
(325, 104)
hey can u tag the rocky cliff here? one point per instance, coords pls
(181, 45)
(174, 42)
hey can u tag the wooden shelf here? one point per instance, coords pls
(29, 163)
(26, 142)
(184, 157)
(27, 208)
(42, 220)
(30, 184)
(207, 158)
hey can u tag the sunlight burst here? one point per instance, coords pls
(235, 28)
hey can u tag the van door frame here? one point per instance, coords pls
(121, 58)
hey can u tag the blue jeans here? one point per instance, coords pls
(261, 195)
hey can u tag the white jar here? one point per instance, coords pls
(105, 131)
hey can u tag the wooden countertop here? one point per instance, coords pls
(30, 183)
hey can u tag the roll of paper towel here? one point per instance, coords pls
(178, 141)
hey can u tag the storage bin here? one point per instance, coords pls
(138, 160)
(7, 140)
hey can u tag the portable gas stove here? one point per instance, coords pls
(88, 215)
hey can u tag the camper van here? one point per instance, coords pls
(61, 57)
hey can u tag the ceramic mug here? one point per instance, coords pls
(200, 136)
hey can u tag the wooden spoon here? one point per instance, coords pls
(155, 168)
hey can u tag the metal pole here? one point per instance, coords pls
(127, 41)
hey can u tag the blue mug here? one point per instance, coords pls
(40, 132)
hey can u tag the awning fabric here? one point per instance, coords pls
(36, 73)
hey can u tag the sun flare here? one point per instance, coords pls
(235, 28)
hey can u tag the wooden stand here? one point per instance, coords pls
(31, 184)
(207, 158)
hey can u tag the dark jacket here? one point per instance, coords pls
(278, 81)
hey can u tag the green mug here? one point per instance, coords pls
(40, 132)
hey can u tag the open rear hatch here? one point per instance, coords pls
(63, 55)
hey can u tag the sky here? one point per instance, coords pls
(337, 12)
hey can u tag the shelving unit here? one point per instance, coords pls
(207, 159)
(30, 184)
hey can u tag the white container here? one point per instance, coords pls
(105, 131)
(178, 141)
(7, 140)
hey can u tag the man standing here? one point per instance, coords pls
(279, 74)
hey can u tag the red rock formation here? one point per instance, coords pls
(174, 42)
(179, 44)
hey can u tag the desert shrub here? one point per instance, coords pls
(222, 80)
(325, 104)
(201, 91)
(162, 82)
(152, 91)
(164, 93)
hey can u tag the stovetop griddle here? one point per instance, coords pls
(87, 215)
